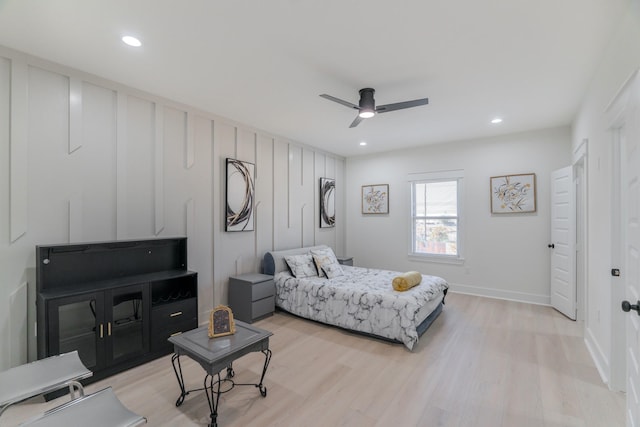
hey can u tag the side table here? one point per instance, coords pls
(217, 354)
(345, 260)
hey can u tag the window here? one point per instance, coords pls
(435, 215)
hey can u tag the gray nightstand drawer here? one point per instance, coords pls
(263, 290)
(263, 307)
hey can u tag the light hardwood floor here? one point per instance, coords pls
(484, 362)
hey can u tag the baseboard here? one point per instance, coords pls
(501, 294)
(599, 358)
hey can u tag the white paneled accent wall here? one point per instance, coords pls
(85, 159)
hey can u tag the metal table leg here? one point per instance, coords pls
(213, 401)
(267, 359)
(178, 371)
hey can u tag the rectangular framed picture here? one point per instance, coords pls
(240, 195)
(375, 199)
(327, 202)
(513, 193)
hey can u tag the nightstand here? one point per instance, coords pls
(345, 260)
(251, 296)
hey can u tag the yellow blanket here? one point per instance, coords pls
(406, 280)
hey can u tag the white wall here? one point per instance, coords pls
(621, 59)
(84, 159)
(506, 255)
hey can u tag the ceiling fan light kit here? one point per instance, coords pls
(367, 105)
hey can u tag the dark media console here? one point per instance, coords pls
(116, 302)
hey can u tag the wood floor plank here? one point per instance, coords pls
(484, 362)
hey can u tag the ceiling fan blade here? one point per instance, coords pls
(401, 105)
(339, 101)
(356, 122)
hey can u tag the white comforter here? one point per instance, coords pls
(362, 300)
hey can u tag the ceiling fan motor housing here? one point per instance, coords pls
(366, 100)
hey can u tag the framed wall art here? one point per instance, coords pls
(375, 199)
(240, 195)
(327, 202)
(513, 193)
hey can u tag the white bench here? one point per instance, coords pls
(99, 409)
(40, 377)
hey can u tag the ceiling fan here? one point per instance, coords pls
(367, 105)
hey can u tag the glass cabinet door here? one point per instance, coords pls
(127, 322)
(76, 324)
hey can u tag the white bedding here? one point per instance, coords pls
(362, 300)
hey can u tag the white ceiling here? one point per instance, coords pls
(264, 62)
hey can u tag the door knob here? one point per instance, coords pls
(551, 245)
(626, 307)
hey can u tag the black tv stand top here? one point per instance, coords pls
(100, 285)
(99, 265)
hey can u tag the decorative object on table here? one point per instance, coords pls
(327, 202)
(221, 322)
(375, 199)
(240, 195)
(513, 193)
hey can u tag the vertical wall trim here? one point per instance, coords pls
(75, 218)
(121, 165)
(190, 223)
(75, 114)
(273, 194)
(190, 148)
(257, 203)
(18, 163)
(315, 206)
(302, 225)
(159, 170)
(288, 185)
(18, 330)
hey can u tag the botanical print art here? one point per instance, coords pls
(375, 199)
(513, 193)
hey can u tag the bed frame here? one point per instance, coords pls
(273, 262)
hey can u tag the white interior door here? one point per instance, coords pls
(629, 134)
(562, 246)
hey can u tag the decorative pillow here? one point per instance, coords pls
(325, 259)
(301, 265)
(332, 270)
(406, 281)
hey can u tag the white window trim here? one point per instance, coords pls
(448, 175)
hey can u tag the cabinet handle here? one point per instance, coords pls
(109, 328)
(177, 313)
(101, 331)
(175, 333)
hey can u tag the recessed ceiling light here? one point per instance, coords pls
(363, 143)
(131, 41)
(496, 120)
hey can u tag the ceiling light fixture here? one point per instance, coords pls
(496, 120)
(363, 143)
(131, 41)
(367, 104)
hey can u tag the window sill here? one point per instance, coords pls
(442, 259)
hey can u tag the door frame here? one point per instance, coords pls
(580, 181)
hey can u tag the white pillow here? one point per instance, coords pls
(301, 266)
(327, 263)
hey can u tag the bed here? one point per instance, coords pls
(354, 298)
